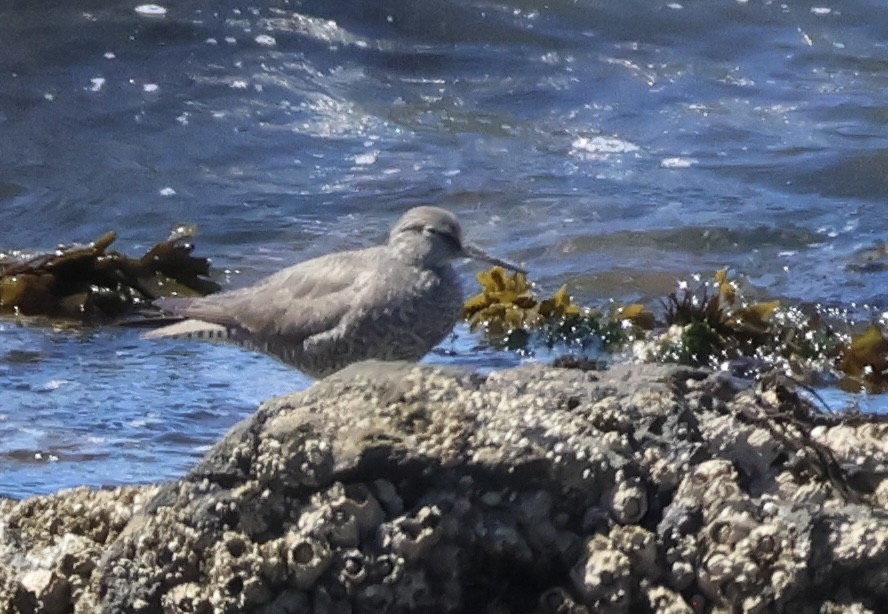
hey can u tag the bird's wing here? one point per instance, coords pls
(303, 300)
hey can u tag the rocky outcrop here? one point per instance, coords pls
(394, 487)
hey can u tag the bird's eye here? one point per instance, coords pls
(446, 235)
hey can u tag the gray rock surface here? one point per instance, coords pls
(396, 487)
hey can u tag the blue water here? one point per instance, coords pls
(614, 146)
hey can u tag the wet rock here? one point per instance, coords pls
(48, 590)
(50, 546)
(393, 487)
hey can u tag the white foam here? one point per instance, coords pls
(366, 159)
(677, 162)
(325, 30)
(54, 384)
(601, 146)
(151, 10)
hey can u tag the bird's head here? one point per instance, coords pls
(432, 237)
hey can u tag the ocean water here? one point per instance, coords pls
(614, 146)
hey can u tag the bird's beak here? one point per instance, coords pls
(476, 253)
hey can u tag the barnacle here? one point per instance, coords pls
(307, 556)
(628, 500)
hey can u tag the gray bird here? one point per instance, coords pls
(391, 302)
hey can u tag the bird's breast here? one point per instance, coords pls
(418, 311)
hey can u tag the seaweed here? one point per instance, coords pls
(864, 362)
(511, 316)
(90, 284)
(712, 325)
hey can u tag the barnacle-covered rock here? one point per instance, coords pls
(236, 573)
(412, 537)
(47, 590)
(323, 517)
(558, 600)
(861, 445)
(405, 488)
(414, 593)
(291, 453)
(640, 545)
(305, 558)
(628, 499)
(753, 449)
(358, 501)
(662, 600)
(50, 545)
(186, 597)
(831, 607)
(603, 576)
(749, 554)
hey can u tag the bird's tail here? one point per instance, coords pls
(190, 329)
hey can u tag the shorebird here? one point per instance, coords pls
(390, 302)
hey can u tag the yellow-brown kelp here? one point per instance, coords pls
(864, 362)
(508, 311)
(89, 283)
(706, 326)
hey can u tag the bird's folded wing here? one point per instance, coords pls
(298, 302)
